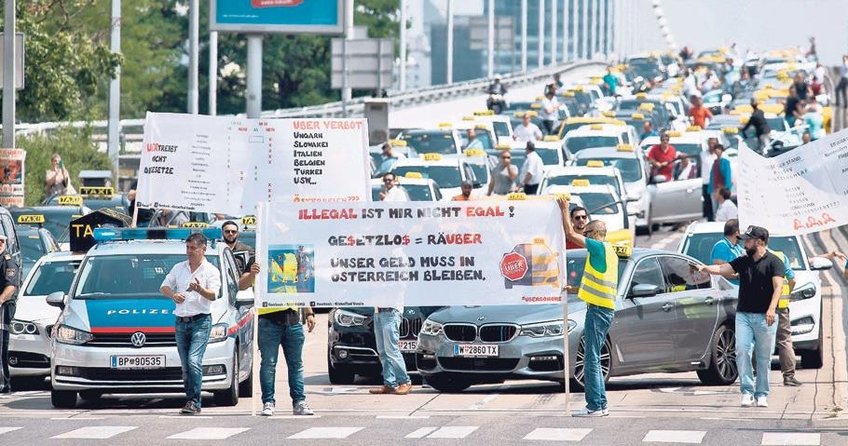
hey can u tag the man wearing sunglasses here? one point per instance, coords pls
(10, 280)
(390, 190)
(579, 220)
(245, 255)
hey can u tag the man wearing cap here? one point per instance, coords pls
(192, 285)
(10, 281)
(466, 187)
(760, 286)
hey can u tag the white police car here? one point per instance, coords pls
(116, 331)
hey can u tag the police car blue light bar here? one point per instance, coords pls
(123, 234)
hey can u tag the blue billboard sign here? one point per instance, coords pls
(278, 16)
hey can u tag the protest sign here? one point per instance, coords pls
(227, 164)
(12, 177)
(804, 190)
(410, 253)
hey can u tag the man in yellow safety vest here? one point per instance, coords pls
(599, 289)
(785, 350)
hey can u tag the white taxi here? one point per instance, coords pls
(447, 172)
(593, 135)
(603, 204)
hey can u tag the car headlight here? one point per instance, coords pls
(805, 292)
(218, 333)
(431, 328)
(70, 335)
(18, 327)
(571, 325)
(542, 329)
(349, 319)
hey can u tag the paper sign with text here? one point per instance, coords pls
(228, 164)
(410, 254)
(802, 191)
(12, 177)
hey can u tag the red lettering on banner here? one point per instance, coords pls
(327, 214)
(494, 211)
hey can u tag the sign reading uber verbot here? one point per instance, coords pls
(413, 253)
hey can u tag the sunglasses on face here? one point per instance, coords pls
(581, 217)
(506, 157)
(231, 231)
(388, 180)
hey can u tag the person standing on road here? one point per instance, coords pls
(387, 336)
(10, 282)
(550, 110)
(720, 175)
(761, 127)
(532, 170)
(57, 181)
(726, 208)
(662, 156)
(244, 255)
(707, 159)
(527, 131)
(610, 82)
(192, 285)
(728, 248)
(503, 177)
(785, 349)
(699, 114)
(760, 285)
(579, 220)
(599, 289)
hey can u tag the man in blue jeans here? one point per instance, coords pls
(192, 285)
(387, 334)
(599, 289)
(280, 326)
(760, 285)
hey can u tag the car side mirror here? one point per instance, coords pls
(56, 299)
(820, 264)
(657, 179)
(644, 290)
(477, 185)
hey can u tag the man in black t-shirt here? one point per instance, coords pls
(760, 284)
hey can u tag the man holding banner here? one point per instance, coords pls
(598, 288)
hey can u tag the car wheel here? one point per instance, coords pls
(577, 380)
(340, 375)
(448, 382)
(90, 396)
(230, 396)
(63, 399)
(722, 370)
(812, 359)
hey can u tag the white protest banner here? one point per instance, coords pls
(12, 177)
(411, 253)
(228, 164)
(804, 190)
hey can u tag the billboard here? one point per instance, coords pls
(278, 16)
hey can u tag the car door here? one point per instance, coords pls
(640, 328)
(696, 308)
(679, 200)
(243, 317)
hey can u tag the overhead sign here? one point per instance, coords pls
(12, 177)
(277, 16)
(369, 63)
(410, 254)
(804, 190)
(227, 164)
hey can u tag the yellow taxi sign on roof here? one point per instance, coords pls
(577, 89)
(672, 133)
(730, 130)
(694, 128)
(622, 250)
(503, 146)
(594, 163)
(539, 240)
(397, 142)
(563, 195)
(535, 106)
(624, 148)
(540, 98)
(475, 152)
(580, 183)
(771, 108)
(70, 200)
(648, 106)
(550, 138)
(484, 113)
(248, 220)
(481, 127)
(637, 116)
(569, 94)
(609, 114)
(516, 196)
(597, 127)
(97, 191)
(432, 157)
(468, 118)
(744, 119)
(445, 125)
(641, 96)
(413, 175)
(195, 224)
(30, 219)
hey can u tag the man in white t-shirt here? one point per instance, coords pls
(527, 131)
(192, 285)
(726, 208)
(532, 170)
(391, 191)
(550, 110)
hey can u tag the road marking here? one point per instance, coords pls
(294, 417)
(479, 405)
(403, 417)
(314, 433)
(557, 434)
(453, 432)
(4, 430)
(421, 432)
(209, 433)
(96, 432)
(77, 418)
(202, 417)
(662, 436)
(790, 439)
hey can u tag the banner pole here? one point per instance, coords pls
(258, 298)
(135, 214)
(565, 355)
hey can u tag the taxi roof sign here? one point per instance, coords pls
(694, 128)
(609, 114)
(622, 250)
(97, 191)
(468, 118)
(597, 127)
(730, 130)
(503, 146)
(248, 220)
(416, 175)
(30, 219)
(580, 183)
(535, 106)
(484, 113)
(516, 196)
(70, 200)
(475, 152)
(397, 142)
(550, 138)
(673, 133)
(569, 94)
(445, 125)
(563, 195)
(637, 116)
(624, 148)
(594, 163)
(641, 96)
(481, 127)
(195, 224)
(432, 157)
(124, 234)
(647, 106)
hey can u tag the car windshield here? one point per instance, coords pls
(501, 128)
(31, 247)
(578, 143)
(481, 172)
(550, 157)
(445, 176)
(565, 180)
(575, 262)
(127, 275)
(483, 135)
(432, 142)
(777, 124)
(517, 106)
(598, 203)
(629, 167)
(700, 246)
(51, 277)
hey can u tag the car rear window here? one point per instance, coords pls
(700, 246)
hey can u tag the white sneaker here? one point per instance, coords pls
(586, 413)
(762, 401)
(747, 400)
(301, 408)
(268, 409)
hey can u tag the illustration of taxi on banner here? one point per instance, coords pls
(530, 264)
(291, 270)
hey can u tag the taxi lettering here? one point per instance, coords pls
(30, 219)
(70, 200)
(87, 230)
